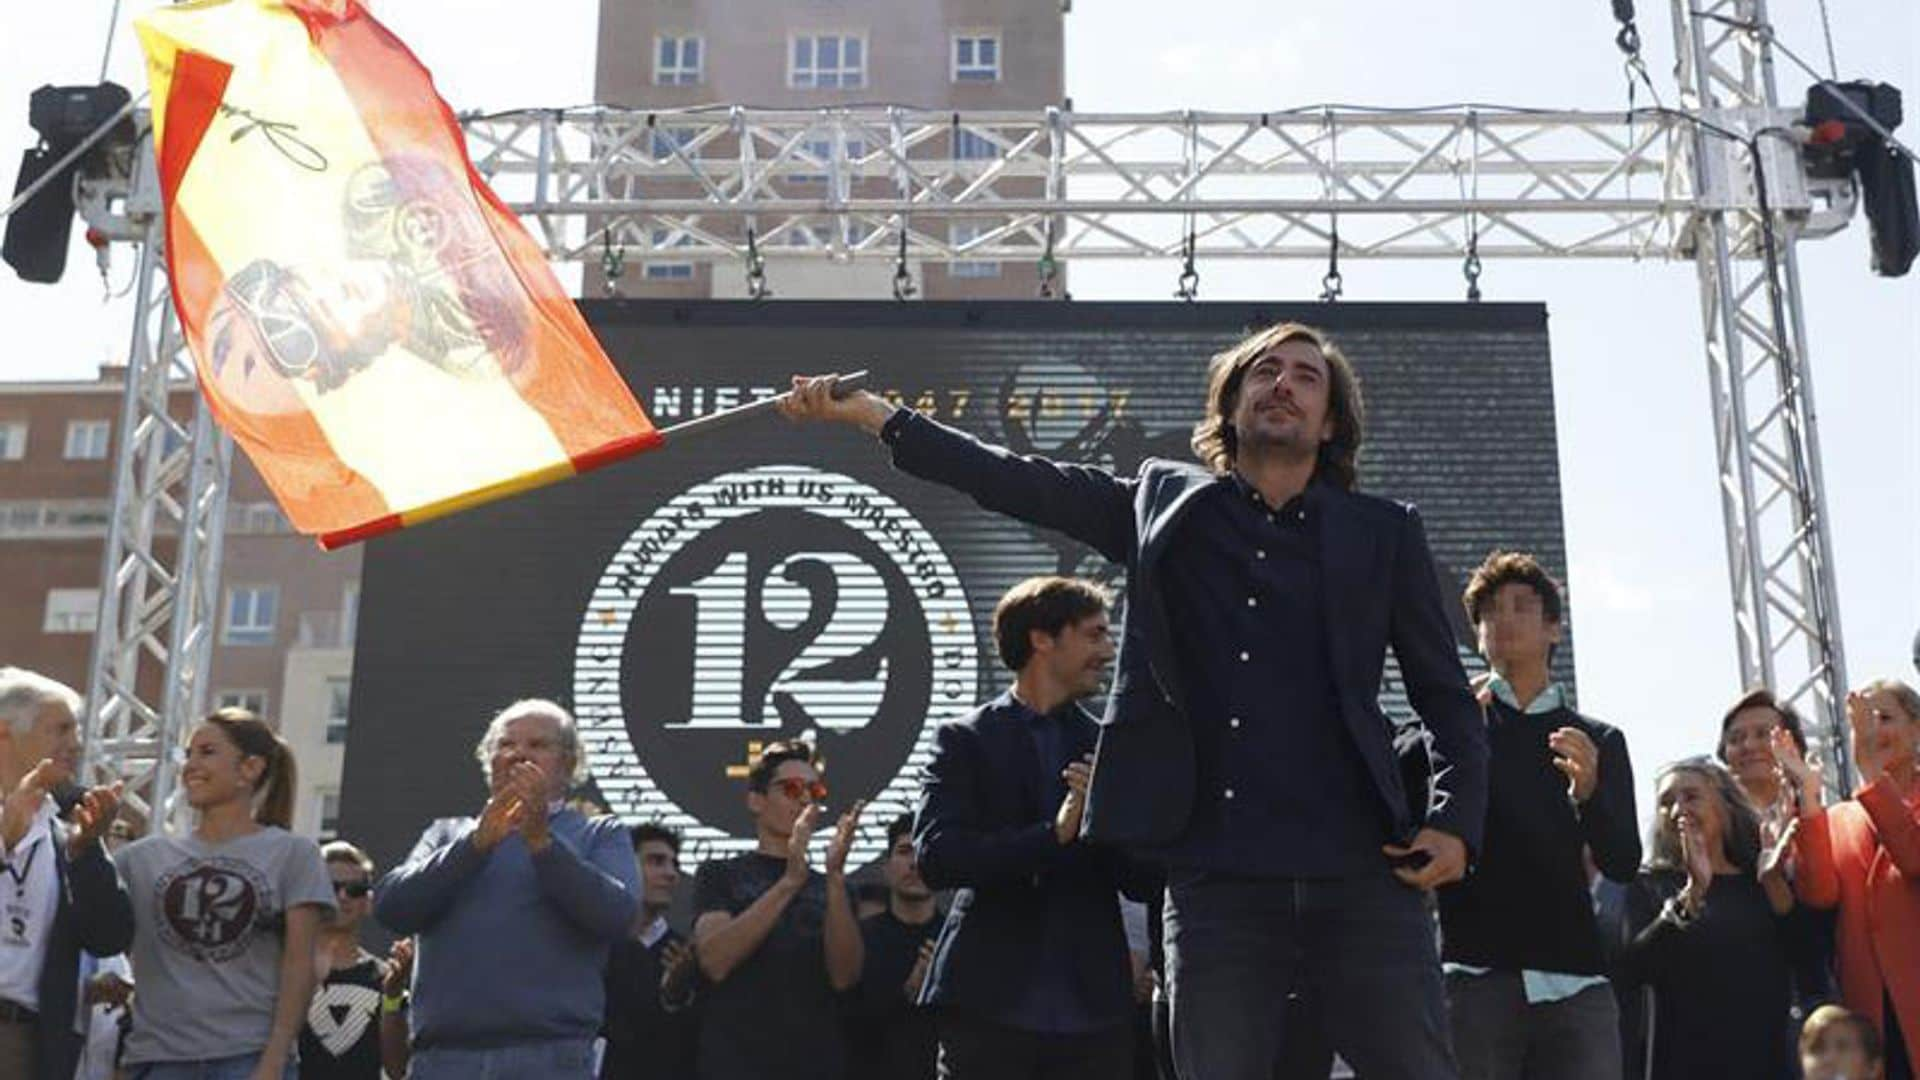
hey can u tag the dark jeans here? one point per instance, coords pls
(1360, 947)
(975, 1048)
(549, 1059)
(1304, 1051)
(1499, 1035)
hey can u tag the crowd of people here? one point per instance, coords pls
(1241, 870)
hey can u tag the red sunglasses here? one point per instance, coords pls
(793, 787)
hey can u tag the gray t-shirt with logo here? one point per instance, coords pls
(209, 923)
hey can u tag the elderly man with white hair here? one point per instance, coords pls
(514, 912)
(59, 893)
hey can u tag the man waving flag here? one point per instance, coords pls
(369, 321)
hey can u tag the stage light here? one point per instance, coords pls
(38, 230)
(1842, 142)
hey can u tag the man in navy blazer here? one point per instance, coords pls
(1030, 973)
(1243, 743)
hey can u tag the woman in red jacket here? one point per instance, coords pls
(1863, 855)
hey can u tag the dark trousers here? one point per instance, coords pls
(1499, 1035)
(1305, 1053)
(973, 1047)
(1360, 947)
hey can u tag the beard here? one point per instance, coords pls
(1287, 443)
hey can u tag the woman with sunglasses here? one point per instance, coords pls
(226, 916)
(1711, 929)
(1863, 857)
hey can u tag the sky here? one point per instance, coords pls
(1649, 594)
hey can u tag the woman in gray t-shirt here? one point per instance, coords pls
(225, 917)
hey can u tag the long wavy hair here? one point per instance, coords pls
(1214, 440)
(1741, 836)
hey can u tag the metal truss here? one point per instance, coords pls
(1327, 183)
(160, 571)
(1786, 613)
(845, 183)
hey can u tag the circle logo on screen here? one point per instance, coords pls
(772, 603)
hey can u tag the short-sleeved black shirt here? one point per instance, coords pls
(775, 1014)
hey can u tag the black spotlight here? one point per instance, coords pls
(38, 231)
(1842, 143)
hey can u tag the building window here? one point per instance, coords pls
(256, 517)
(87, 439)
(254, 701)
(966, 232)
(338, 692)
(972, 146)
(826, 234)
(676, 61)
(250, 614)
(13, 440)
(349, 613)
(828, 61)
(72, 611)
(329, 815)
(54, 517)
(668, 271)
(821, 150)
(663, 141)
(976, 58)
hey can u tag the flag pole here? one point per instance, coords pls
(700, 425)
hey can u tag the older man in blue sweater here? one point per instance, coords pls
(514, 912)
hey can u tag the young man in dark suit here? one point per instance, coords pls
(1030, 973)
(1244, 744)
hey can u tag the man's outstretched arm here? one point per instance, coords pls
(1088, 504)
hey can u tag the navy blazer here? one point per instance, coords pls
(983, 830)
(93, 913)
(1380, 591)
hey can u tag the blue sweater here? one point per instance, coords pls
(511, 945)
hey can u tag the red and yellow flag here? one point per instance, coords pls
(369, 321)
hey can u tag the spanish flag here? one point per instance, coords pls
(369, 321)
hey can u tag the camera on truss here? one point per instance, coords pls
(1842, 143)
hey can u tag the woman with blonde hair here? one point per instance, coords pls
(1863, 857)
(225, 916)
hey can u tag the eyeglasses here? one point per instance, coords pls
(795, 788)
(354, 889)
(263, 291)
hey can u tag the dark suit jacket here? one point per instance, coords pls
(94, 914)
(984, 830)
(1380, 591)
